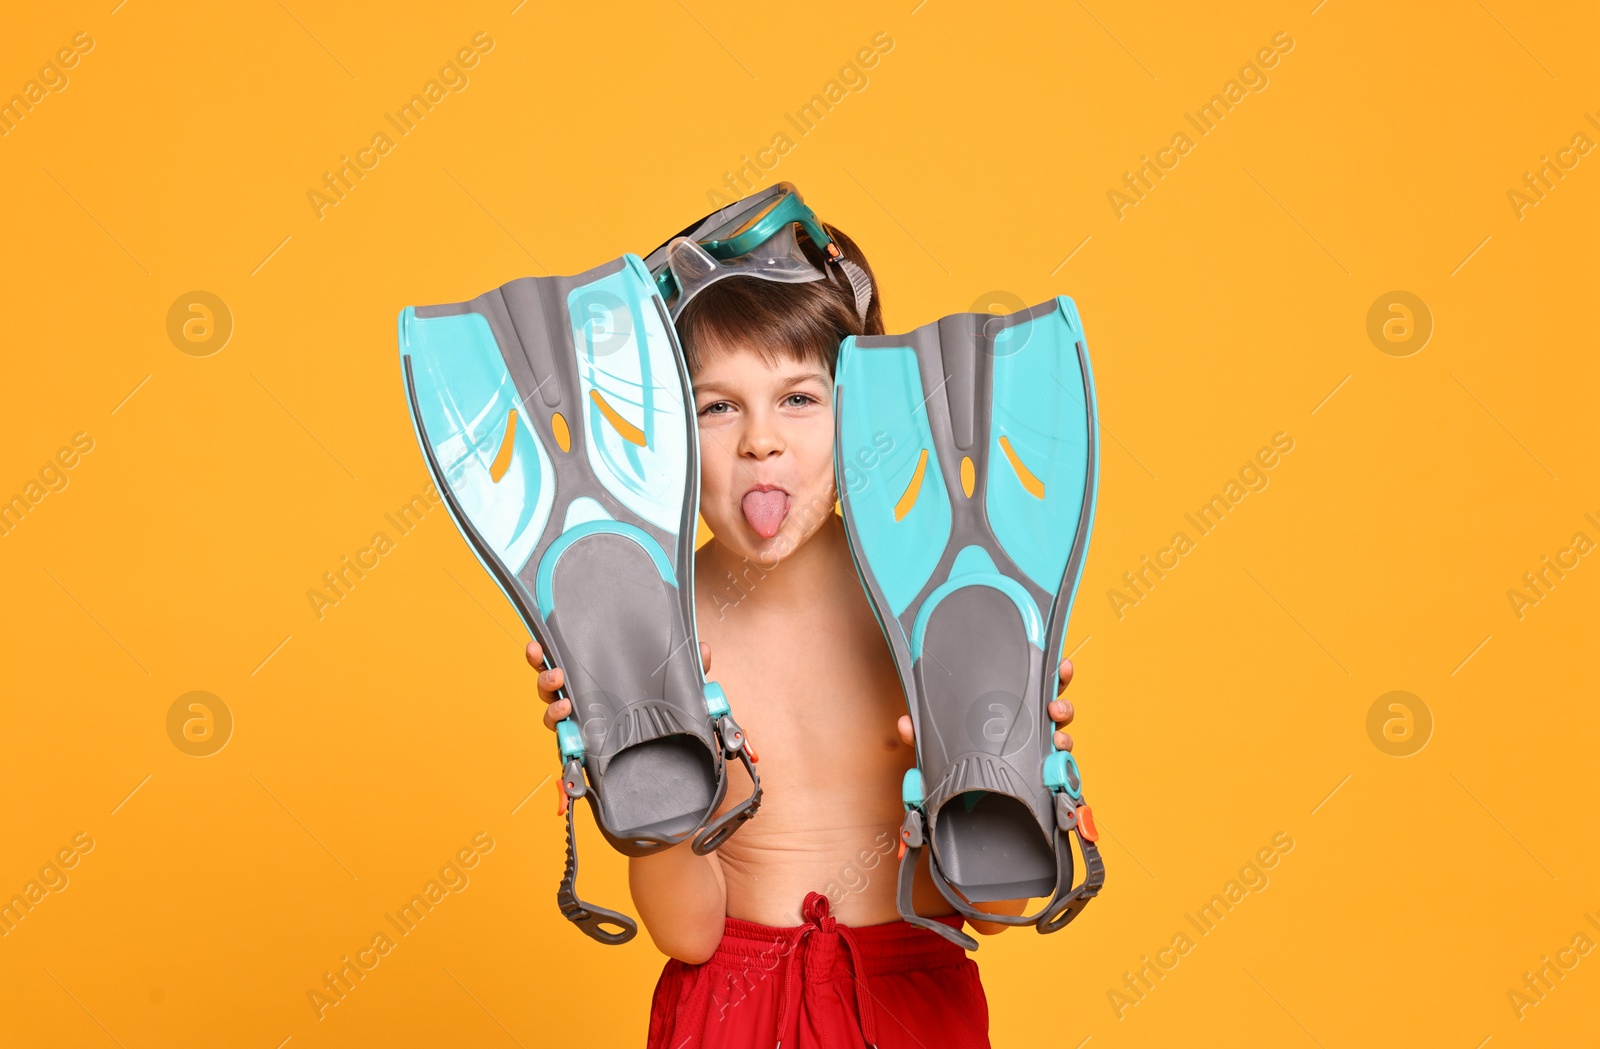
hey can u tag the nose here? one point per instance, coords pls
(761, 437)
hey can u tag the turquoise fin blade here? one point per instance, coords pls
(467, 398)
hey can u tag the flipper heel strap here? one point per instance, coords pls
(586, 916)
(735, 744)
(1073, 819)
(1068, 905)
(719, 831)
(912, 840)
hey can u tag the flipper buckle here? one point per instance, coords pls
(911, 830)
(732, 736)
(572, 781)
(1066, 813)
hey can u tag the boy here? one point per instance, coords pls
(788, 933)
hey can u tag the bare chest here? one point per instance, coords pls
(819, 700)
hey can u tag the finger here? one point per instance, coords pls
(1065, 671)
(549, 681)
(556, 711)
(535, 654)
(1061, 712)
(705, 657)
(1063, 741)
(904, 725)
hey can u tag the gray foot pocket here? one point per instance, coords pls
(659, 789)
(994, 850)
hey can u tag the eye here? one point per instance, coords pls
(716, 408)
(799, 400)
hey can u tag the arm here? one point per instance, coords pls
(681, 898)
(1061, 713)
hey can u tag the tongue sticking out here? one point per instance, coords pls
(765, 511)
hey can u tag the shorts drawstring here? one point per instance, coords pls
(817, 918)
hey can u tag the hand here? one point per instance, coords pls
(1060, 712)
(552, 680)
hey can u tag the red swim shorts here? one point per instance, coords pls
(822, 985)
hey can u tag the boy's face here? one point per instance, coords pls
(766, 451)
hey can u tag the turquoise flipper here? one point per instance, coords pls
(968, 459)
(555, 415)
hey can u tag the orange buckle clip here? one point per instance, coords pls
(561, 806)
(750, 746)
(1086, 828)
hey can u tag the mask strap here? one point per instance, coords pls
(860, 285)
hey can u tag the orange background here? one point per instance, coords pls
(1229, 704)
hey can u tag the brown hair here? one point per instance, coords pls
(805, 321)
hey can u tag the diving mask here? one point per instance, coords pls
(753, 237)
